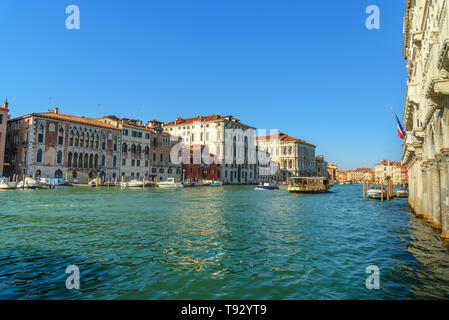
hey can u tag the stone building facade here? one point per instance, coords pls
(145, 150)
(426, 110)
(56, 145)
(4, 117)
(231, 141)
(296, 157)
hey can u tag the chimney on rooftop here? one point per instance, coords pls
(6, 104)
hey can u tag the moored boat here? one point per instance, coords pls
(28, 183)
(170, 183)
(6, 185)
(401, 193)
(132, 184)
(308, 185)
(267, 186)
(376, 193)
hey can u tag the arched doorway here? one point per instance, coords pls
(58, 174)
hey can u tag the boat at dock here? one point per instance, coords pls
(170, 183)
(401, 193)
(5, 184)
(376, 193)
(308, 185)
(28, 183)
(266, 186)
(132, 184)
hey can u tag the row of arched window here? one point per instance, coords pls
(87, 161)
(137, 149)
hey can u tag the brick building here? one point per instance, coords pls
(56, 145)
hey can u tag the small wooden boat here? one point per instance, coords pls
(376, 193)
(266, 186)
(170, 183)
(6, 185)
(308, 185)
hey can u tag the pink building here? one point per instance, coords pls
(4, 117)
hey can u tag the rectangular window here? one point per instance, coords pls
(138, 163)
(1, 118)
(146, 163)
(125, 132)
(123, 162)
(147, 136)
(133, 162)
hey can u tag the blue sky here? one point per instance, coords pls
(310, 69)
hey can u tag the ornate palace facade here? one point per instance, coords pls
(426, 113)
(57, 145)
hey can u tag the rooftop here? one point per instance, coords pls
(283, 137)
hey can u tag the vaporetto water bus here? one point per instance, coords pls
(308, 185)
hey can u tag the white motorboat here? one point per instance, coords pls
(6, 185)
(132, 184)
(266, 186)
(28, 183)
(376, 193)
(401, 193)
(170, 183)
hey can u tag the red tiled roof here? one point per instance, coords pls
(214, 117)
(283, 137)
(85, 120)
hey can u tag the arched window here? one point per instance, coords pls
(71, 139)
(162, 157)
(115, 143)
(40, 133)
(75, 174)
(59, 157)
(91, 161)
(103, 161)
(69, 160)
(75, 160)
(290, 164)
(61, 136)
(290, 150)
(96, 161)
(97, 138)
(124, 148)
(138, 149)
(82, 140)
(133, 148)
(91, 141)
(39, 156)
(154, 156)
(285, 150)
(80, 162)
(114, 162)
(103, 143)
(77, 140)
(147, 150)
(86, 161)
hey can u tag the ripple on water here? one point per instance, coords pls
(215, 243)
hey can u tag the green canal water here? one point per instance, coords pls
(227, 242)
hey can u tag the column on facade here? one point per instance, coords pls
(411, 187)
(436, 195)
(424, 203)
(418, 190)
(428, 192)
(444, 197)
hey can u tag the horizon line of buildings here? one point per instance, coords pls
(382, 171)
(215, 147)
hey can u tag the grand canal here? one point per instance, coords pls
(215, 243)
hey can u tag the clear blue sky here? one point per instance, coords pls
(310, 69)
